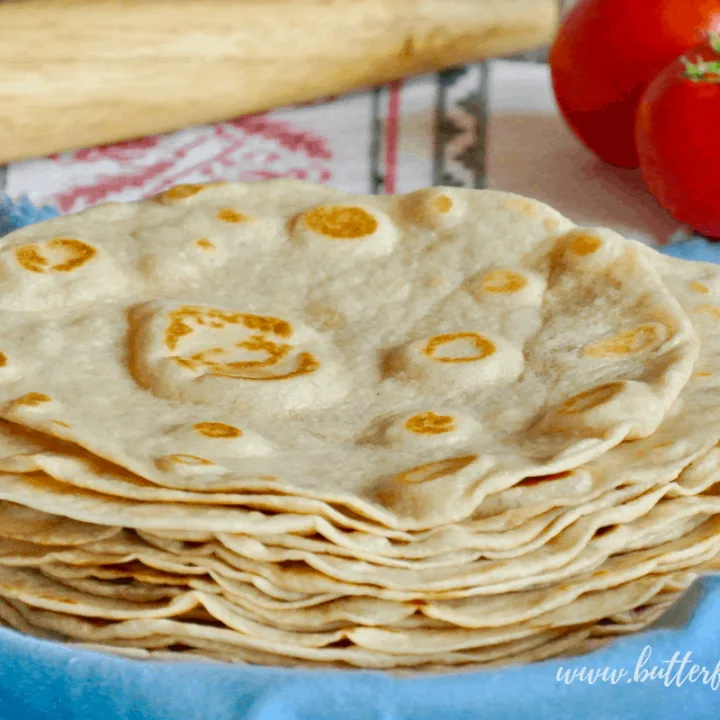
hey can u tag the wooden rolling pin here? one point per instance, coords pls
(76, 73)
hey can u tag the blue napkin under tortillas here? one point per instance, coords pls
(18, 213)
(40, 680)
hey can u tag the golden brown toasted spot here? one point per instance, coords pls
(181, 318)
(205, 244)
(658, 446)
(436, 281)
(698, 287)
(61, 423)
(481, 345)
(184, 459)
(430, 424)
(257, 343)
(3, 359)
(77, 253)
(180, 325)
(434, 470)
(217, 430)
(631, 342)
(180, 192)
(442, 204)
(503, 281)
(184, 362)
(33, 399)
(589, 399)
(29, 257)
(340, 222)
(176, 329)
(80, 253)
(267, 324)
(702, 374)
(231, 216)
(585, 244)
(305, 364)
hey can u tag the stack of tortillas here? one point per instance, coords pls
(278, 424)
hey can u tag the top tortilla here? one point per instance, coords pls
(389, 354)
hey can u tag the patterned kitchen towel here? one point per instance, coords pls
(491, 125)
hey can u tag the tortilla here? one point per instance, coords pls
(386, 354)
(279, 424)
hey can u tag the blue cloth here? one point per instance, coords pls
(18, 213)
(40, 680)
(695, 248)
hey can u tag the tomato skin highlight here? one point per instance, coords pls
(605, 55)
(678, 142)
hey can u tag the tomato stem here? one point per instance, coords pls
(704, 70)
(701, 70)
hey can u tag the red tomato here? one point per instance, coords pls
(678, 141)
(606, 53)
